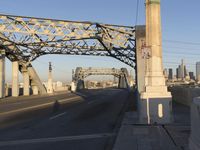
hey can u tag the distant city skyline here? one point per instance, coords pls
(181, 70)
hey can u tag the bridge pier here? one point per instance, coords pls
(15, 79)
(2, 74)
(26, 80)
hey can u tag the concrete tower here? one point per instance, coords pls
(50, 80)
(155, 103)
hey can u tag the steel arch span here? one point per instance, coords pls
(27, 38)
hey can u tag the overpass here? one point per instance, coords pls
(82, 73)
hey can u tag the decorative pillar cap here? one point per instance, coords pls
(153, 1)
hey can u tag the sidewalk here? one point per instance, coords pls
(135, 136)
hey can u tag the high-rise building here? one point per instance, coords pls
(198, 71)
(185, 71)
(165, 73)
(170, 75)
(182, 70)
(191, 74)
(178, 72)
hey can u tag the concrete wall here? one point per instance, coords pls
(194, 140)
(184, 95)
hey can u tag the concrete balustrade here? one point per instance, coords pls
(194, 140)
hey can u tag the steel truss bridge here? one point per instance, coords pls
(27, 38)
(82, 73)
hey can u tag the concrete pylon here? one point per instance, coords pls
(2, 75)
(122, 82)
(26, 80)
(155, 104)
(50, 80)
(15, 78)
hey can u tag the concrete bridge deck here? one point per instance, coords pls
(90, 122)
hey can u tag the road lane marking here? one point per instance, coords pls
(56, 139)
(37, 106)
(56, 116)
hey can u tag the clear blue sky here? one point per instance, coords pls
(179, 23)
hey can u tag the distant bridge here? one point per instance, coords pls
(82, 73)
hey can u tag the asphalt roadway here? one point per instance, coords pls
(87, 120)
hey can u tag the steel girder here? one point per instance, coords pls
(32, 37)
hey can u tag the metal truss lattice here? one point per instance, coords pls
(26, 38)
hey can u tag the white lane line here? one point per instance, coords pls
(37, 106)
(56, 116)
(68, 99)
(56, 139)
